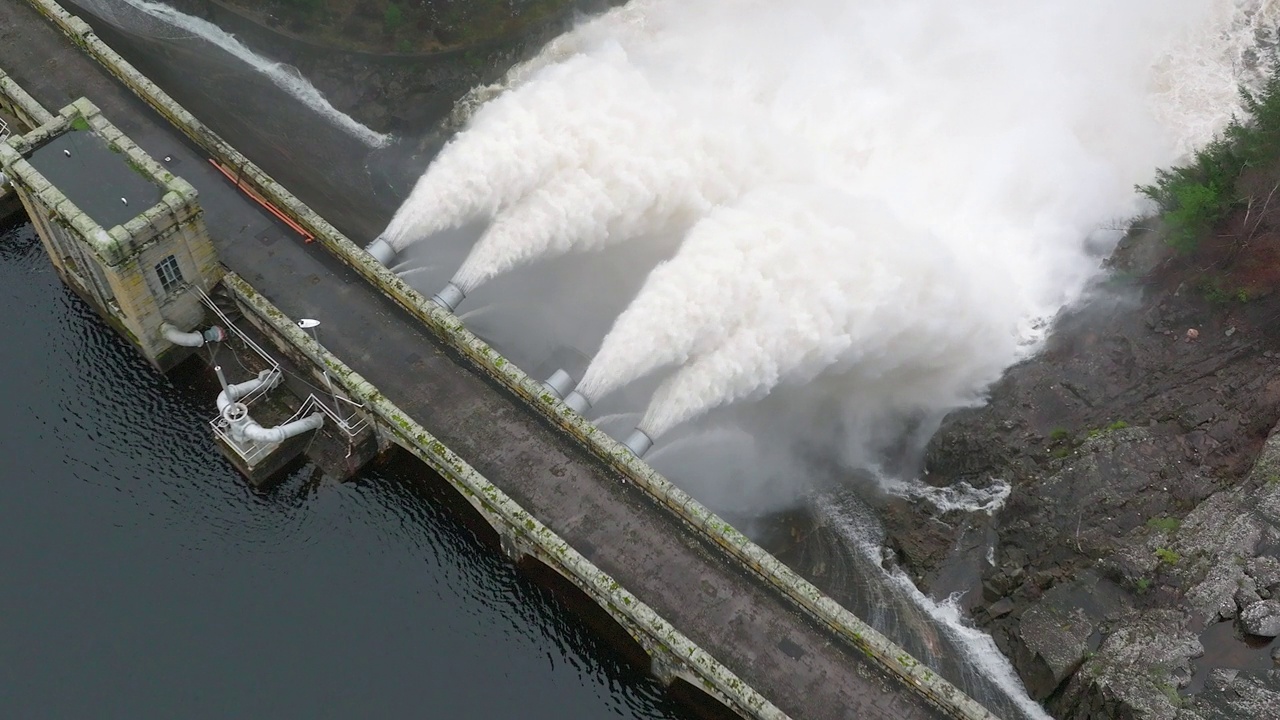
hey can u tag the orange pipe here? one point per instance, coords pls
(248, 190)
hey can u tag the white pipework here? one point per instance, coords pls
(639, 442)
(192, 339)
(449, 297)
(381, 251)
(559, 383)
(232, 393)
(578, 402)
(245, 428)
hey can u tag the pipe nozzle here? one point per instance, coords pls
(578, 402)
(449, 297)
(639, 442)
(381, 251)
(559, 383)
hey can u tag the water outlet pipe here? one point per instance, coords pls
(639, 442)
(559, 383)
(192, 339)
(578, 402)
(245, 428)
(381, 251)
(449, 297)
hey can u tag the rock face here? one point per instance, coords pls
(1145, 501)
(1137, 671)
(1053, 637)
(1261, 618)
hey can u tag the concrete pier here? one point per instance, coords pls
(700, 599)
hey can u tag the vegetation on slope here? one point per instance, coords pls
(1240, 170)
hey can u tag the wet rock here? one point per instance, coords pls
(1261, 618)
(1246, 594)
(1233, 695)
(1050, 644)
(1265, 571)
(1055, 635)
(1228, 609)
(1137, 672)
(1000, 608)
(1145, 460)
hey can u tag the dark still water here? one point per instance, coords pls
(141, 577)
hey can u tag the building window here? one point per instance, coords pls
(169, 274)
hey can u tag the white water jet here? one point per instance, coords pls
(413, 270)
(284, 76)
(796, 312)
(1001, 136)
(508, 151)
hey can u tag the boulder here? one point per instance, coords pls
(1138, 671)
(1233, 694)
(1054, 635)
(1261, 618)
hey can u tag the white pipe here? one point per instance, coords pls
(559, 382)
(578, 402)
(449, 297)
(639, 442)
(192, 339)
(244, 427)
(270, 378)
(381, 251)
(280, 433)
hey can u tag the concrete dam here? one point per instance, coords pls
(178, 241)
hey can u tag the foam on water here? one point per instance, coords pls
(162, 21)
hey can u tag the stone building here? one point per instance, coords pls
(122, 231)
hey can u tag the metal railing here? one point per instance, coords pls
(251, 451)
(350, 425)
(4, 130)
(248, 341)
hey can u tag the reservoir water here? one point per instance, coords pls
(141, 577)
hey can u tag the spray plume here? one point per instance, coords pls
(894, 192)
(816, 284)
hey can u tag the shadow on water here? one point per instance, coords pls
(151, 581)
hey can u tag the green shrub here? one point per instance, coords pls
(392, 18)
(1194, 197)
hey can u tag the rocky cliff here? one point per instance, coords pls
(1136, 570)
